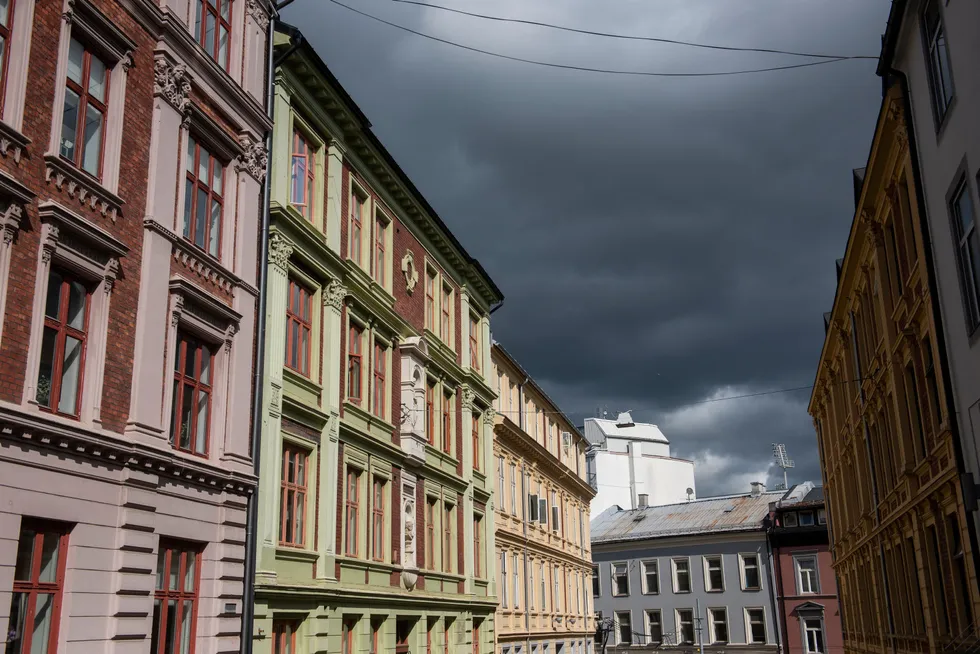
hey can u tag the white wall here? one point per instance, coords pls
(663, 479)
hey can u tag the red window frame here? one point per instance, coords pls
(446, 305)
(353, 506)
(477, 450)
(193, 187)
(476, 636)
(303, 151)
(430, 300)
(179, 596)
(192, 381)
(284, 636)
(84, 100)
(477, 546)
(447, 550)
(292, 496)
(380, 234)
(347, 636)
(38, 534)
(475, 344)
(299, 328)
(447, 426)
(375, 635)
(356, 226)
(378, 520)
(354, 361)
(430, 534)
(430, 413)
(380, 368)
(63, 330)
(220, 10)
(5, 32)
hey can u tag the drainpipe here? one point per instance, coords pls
(966, 479)
(524, 500)
(251, 511)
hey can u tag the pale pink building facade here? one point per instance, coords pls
(132, 158)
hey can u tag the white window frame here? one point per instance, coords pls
(556, 600)
(821, 516)
(678, 622)
(798, 570)
(804, 629)
(758, 567)
(503, 579)
(517, 581)
(790, 520)
(673, 575)
(644, 585)
(597, 577)
(513, 488)
(648, 631)
(811, 517)
(748, 625)
(712, 622)
(612, 577)
(721, 567)
(618, 625)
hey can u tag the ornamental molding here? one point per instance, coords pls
(335, 295)
(172, 82)
(280, 249)
(81, 187)
(410, 272)
(258, 13)
(12, 142)
(254, 158)
(489, 417)
(468, 398)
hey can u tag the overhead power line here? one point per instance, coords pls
(629, 37)
(606, 71)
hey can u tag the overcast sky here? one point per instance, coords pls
(659, 241)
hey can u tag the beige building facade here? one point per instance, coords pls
(541, 515)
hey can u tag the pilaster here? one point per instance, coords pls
(333, 301)
(335, 194)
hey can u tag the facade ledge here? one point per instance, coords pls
(309, 244)
(12, 143)
(443, 357)
(305, 383)
(368, 423)
(200, 261)
(301, 555)
(81, 186)
(310, 415)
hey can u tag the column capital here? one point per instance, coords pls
(280, 249)
(335, 295)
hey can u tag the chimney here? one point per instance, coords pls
(758, 488)
(643, 500)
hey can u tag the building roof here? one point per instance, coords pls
(624, 427)
(815, 495)
(714, 515)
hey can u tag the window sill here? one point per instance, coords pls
(302, 381)
(87, 189)
(12, 142)
(298, 554)
(368, 421)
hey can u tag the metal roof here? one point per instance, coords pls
(713, 515)
(639, 431)
(815, 495)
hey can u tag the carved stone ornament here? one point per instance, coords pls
(467, 400)
(335, 295)
(10, 221)
(280, 250)
(489, 417)
(258, 13)
(254, 158)
(410, 271)
(172, 83)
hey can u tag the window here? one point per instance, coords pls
(447, 423)
(475, 353)
(203, 198)
(532, 505)
(302, 175)
(189, 415)
(655, 627)
(378, 520)
(430, 416)
(513, 489)
(430, 534)
(554, 512)
(813, 635)
(624, 631)
(353, 496)
(915, 414)
(556, 596)
(756, 631)
(283, 637)
(500, 482)
(175, 599)
(299, 325)
(445, 326)
(347, 635)
(292, 497)
(354, 364)
(356, 226)
(86, 99)
(66, 312)
(503, 579)
(932, 383)
(940, 81)
(376, 624)
(596, 585)
(447, 546)
(477, 449)
(968, 250)
(380, 236)
(517, 581)
(380, 366)
(806, 518)
(478, 547)
(212, 28)
(6, 22)
(821, 516)
(544, 589)
(621, 580)
(751, 579)
(651, 577)
(39, 577)
(430, 300)
(789, 519)
(682, 575)
(806, 574)
(714, 576)
(684, 619)
(961, 581)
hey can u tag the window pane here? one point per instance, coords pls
(191, 150)
(300, 511)
(200, 445)
(161, 570)
(173, 412)
(76, 61)
(217, 181)
(288, 517)
(52, 307)
(209, 34)
(76, 305)
(96, 79)
(46, 372)
(69, 125)
(173, 574)
(188, 207)
(225, 9)
(171, 627)
(202, 218)
(214, 237)
(223, 46)
(48, 573)
(43, 610)
(185, 626)
(964, 209)
(190, 360)
(185, 417)
(205, 366)
(18, 611)
(198, 13)
(202, 165)
(299, 179)
(25, 555)
(155, 634)
(93, 140)
(4, 12)
(943, 54)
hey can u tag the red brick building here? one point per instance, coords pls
(131, 165)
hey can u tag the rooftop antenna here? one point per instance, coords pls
(783, 461)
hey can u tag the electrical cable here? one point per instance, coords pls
(587, 69)
(630, 37)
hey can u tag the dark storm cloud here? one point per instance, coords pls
(659, 241)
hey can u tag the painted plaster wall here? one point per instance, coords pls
(788, 591)
(664, 480)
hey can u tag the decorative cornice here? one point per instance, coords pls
(86, 189)
(12, 142)
(254, 157)
(410, 272)
(189, 255)
(280, 249)
(172, 82)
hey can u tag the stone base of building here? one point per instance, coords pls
(568, 642)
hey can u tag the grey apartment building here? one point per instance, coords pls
(685, 575)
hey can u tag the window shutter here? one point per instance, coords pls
(554, 518)
(532, 502)
(543, 511)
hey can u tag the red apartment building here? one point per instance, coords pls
(805, 586)
(131, 166)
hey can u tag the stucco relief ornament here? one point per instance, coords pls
(258, 13)
(279, 251)
(335, 295)
(10, 221)
(489, 417)
(172, 83)
(254, 158)
(468, 397)
(410, 271)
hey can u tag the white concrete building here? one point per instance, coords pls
(629, 464)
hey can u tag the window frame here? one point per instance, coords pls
(477, 443)
(478, 545)
(192, 188)
(447, 421)
(185, 549)
(305, 208)
(355, 239)
(644, 576)
(180, 380)
(446, 307)
(449, 534)
(430, 533)
(596, 580)
(708, 584)
(807, 519)
(679, 624)
(355, 359)
(649, 626)
(284, 636)
(814, 587)
(476, 353)
(967, 267)
(712, 622)
(6, 32)
(352, 507)
(300, 489)
(34, 587)
(613, 578)
(790, 519)
(84, 100)
(379, 376)
(674, 578)
(619, 626)
(933, 40)
(742, 557)
(380, 269)
(201, 11)
(749, 638)
(378, 548)
(805, 628)
(304, 325)
(62, 332)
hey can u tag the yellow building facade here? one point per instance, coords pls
(901, 543)
(541, 511)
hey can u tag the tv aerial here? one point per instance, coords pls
(783, 461)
